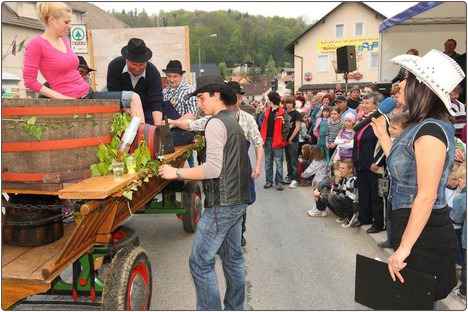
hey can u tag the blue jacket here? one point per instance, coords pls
(401, 166)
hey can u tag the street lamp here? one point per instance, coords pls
(199, 51)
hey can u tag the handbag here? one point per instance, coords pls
(158, 139)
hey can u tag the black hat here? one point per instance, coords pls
(236, 87)
(136, 51)
(214, 83)
(174, 67)
(340, 99)
(83, 64)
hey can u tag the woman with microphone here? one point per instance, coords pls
(419, 163)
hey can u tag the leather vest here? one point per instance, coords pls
(233, 185)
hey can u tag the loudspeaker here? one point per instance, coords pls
(346, 59)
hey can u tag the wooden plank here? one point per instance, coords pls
(12, 292)
(10, 253)
(39, 188)
(28, 265)
(96, 187)
(103, 187)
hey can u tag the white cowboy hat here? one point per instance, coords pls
(436, 70)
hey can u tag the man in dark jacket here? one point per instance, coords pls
(133, 72)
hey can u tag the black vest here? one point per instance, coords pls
(233, 185)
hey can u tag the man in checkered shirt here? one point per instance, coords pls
(176, 90)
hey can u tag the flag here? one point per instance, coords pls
(13, 50)
(20, 45)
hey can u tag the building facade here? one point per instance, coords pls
(349, 24)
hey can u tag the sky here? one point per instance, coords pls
(311, 10)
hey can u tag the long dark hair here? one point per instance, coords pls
(422, 103)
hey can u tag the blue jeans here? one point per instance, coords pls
(292, 153)
(276, 154)
(219, 231)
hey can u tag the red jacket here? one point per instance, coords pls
(277, 131)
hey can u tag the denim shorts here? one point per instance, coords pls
(125, 97)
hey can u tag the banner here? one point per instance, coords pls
(362, 44)
(79, 43)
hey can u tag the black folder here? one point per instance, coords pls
(376, 289)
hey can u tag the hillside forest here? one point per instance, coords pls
(241, 38)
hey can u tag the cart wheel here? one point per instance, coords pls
(192, 202)
(128, 285)
(122, 236)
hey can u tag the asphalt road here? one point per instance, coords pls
(293, 261)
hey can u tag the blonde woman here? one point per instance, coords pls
(51, 54)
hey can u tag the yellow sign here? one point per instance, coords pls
(362, 44)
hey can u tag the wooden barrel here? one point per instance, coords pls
(30, 225)
(71, 133)
(151, 135)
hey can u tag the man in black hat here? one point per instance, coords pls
(84, 69)
(175, 105)
(177, 88)
(226, 184)
(133, 72)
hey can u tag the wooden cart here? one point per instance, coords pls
(29, 271)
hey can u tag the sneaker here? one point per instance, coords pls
(280, 187)
(293, 184)
(287, 180)
(346, 223)
(317, 213)
(340, 220)
(268, 185)
(305, 183)
(460, 296)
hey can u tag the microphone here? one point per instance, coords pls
(385, 107)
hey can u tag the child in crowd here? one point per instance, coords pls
(342, 198)
(320, 131)
(304, 154)
(314, 168)
(458, 215)
(345, 138)
(326, 186)
(396, 127)
(333, 128)
(304, 137)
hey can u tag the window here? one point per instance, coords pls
(322, 64)
(339, 30)
(374, 60)
(359, 29)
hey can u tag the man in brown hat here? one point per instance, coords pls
(134, 72)
(226, 184)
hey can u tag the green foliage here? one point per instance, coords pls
(107, 153)
(241, 37)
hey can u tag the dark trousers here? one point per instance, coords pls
(370, 204)
(340, 205)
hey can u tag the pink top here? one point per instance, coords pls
(58, 68)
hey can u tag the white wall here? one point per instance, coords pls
(399, 39)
